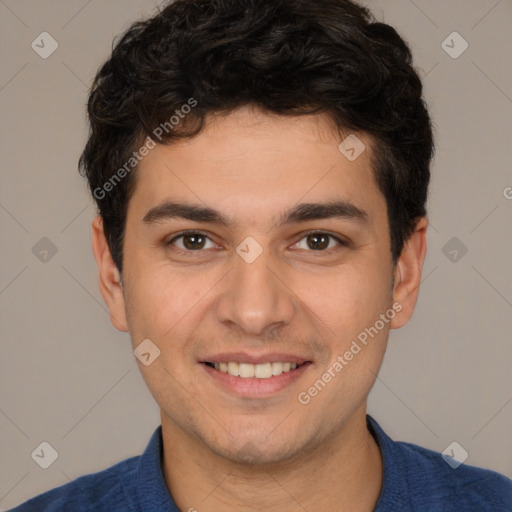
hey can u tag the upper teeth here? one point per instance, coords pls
(260, 371)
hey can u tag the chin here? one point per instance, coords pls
(252, 454)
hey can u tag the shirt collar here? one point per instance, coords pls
(151, 491)
(394, 493)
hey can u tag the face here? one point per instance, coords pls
(259, 242)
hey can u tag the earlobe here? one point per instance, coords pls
(110, 280)
(408, 273)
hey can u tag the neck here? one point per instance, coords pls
(344, 472)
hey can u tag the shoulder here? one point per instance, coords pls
(101, 491)
(430, 476)
(423, 480)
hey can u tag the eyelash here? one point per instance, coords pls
(341, 242)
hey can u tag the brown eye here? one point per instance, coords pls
(319, 241)
(191, 241)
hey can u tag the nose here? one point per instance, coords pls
(255, 299)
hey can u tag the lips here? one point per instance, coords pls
(251, 366)
(249, 371)
(255, 381)
(244, 357)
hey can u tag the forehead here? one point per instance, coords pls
(250, 162)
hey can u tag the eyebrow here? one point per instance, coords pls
(301, 213)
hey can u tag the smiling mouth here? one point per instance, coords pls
(258, 371)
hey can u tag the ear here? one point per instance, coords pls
(408, 274)
(111, 286)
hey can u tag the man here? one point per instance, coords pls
(261, 170)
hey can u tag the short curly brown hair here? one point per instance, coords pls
(290, 57)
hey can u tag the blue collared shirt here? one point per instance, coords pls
(414, 480)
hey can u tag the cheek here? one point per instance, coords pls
(346, 301)
(164, 308)
(165, 304)
(154, 300)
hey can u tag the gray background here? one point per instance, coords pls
(69, 378)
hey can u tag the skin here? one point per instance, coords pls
(223, 452)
